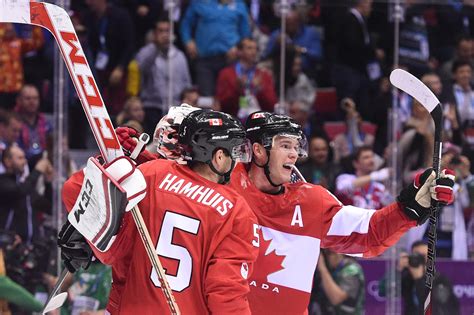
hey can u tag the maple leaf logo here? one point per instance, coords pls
(268, 263)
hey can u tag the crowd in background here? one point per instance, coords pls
(226, 55)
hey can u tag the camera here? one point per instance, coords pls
(455, 160)
(416, 260)
(26, 263)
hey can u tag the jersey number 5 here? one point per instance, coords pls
(166, 248)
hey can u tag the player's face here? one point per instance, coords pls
(284, 152)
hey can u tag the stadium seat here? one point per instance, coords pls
(333, 128)
(326, 101)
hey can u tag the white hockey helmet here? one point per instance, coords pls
(165, 136)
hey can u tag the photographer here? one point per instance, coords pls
(11, 290)
(342, 284)
(452, 235)
(412, 268)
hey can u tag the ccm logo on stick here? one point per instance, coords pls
(95, 105)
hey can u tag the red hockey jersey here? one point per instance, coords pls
(205, 236)
(294, 226)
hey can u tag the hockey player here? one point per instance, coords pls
(204, 231)
(297, 220)
(165, 136)
(75, 251)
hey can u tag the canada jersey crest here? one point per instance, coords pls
(286, 259)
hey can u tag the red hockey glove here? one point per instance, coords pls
(128, 138)
(416, 198)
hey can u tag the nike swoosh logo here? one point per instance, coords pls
(413, 210)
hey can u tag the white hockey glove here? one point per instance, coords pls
(105, 195)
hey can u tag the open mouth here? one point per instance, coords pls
(288, 166)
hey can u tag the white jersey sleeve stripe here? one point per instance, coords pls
(350, 219)
(355, 255)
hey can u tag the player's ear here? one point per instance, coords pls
(259, 152)
(218, 157)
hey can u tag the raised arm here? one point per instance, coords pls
(368, 233)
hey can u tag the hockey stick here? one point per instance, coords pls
(57, 21)
(298, 173)
(419, 91)
(56, 301)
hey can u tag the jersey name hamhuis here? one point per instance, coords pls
(202, 194)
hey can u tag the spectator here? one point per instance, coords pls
(153, 61)
(36, 129)
(416, 143)
(365, 188)
(454, 21)
(144, 14)
(190, 96)
(10, 130)
(461, 94)
(451, 124)
(356, 61)
(470, 226)
(342, 282)
(464, 52)
(260, 37)
(243, 88)
(217, 26)
(318, 168)
(451, 237)
(412, 268)
(300, 111)
(12, 50)
(111, 41)
(414, 44)
(345, 144)
(17, 213)
(300, 87)
(132, 110)
(303, 38)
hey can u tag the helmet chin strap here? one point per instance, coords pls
(266, 169)
(225, 176)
